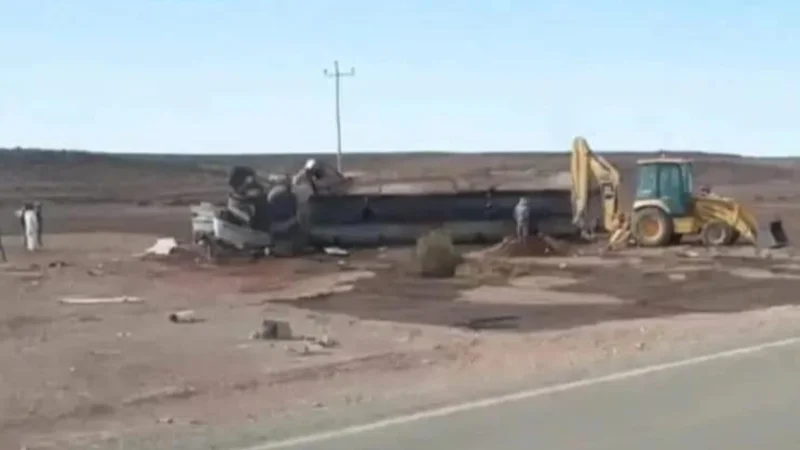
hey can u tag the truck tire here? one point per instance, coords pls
(716, 233)
(652, 227)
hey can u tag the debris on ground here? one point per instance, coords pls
(536, 245)
(15, 269)
(170, 250)
(495, 322)
(273, 330)
(320, 286)
(313, 345)
(162, 247)
(326, 341)
(184, 316)
(335, 251)
(99, 300)
(161, 394)
(312, 348)
(57, 264)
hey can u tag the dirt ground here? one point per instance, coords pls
(365, 329)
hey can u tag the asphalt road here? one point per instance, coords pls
(744, 401)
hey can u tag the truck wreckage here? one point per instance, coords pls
(318, 207)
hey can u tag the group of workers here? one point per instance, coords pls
(30, 218)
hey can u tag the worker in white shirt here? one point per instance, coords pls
(30, 226)
(522, 217)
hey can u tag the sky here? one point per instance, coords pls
(246, 76)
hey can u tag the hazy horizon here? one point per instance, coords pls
(332, 155)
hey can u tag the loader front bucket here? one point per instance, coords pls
(772, 236)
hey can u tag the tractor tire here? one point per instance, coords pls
(717, 233)
(652, 227)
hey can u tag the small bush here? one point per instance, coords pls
(436, 255)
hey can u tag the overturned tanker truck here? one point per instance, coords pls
(318, 207)
(468, 217)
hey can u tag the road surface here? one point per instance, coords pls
(748, 400)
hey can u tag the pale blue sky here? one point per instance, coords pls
(246, 75)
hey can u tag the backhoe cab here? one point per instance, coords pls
(664, 191)
(666, 209)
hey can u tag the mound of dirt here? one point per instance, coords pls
(538, 245)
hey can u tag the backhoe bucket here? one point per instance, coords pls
(772, 236)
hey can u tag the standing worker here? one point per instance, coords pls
(20, 214)
(522, 217)
(31, 228)
(2, 249)
(37, 207)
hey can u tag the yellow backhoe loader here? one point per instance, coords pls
(665, 208)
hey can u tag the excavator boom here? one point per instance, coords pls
(585, 165)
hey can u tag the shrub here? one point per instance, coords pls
(436, 255)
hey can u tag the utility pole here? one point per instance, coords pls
(337, 76)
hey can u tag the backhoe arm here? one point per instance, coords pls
(585, 164)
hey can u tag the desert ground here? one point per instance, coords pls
(368, 335)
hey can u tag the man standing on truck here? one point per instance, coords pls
(522, 217)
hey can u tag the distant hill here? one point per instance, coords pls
(80, 176)
(59, 175)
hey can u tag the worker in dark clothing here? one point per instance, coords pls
(37, 206)
(3, 257)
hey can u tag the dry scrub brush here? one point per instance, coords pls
(436, 255)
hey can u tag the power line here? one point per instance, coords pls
(337, 76)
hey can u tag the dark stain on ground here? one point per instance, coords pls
(704, 290)
(643, 295)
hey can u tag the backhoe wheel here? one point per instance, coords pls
(652, 227)
(717, 233)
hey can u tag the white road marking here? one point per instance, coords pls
(523, 395)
